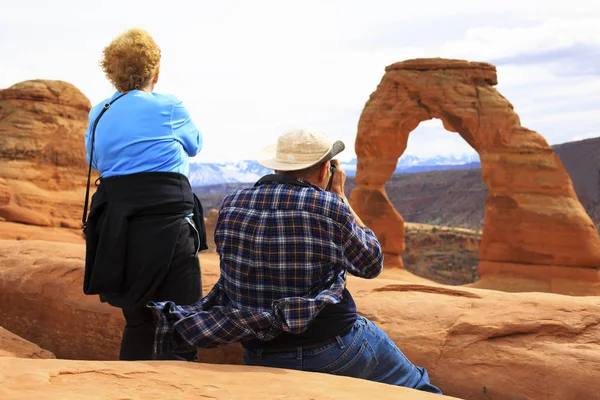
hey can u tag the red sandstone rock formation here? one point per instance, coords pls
(12, 345)
(535, 230)
(42, 157)
(476, 344)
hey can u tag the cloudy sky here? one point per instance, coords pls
(248, 70)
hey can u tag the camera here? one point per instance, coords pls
(332, 169)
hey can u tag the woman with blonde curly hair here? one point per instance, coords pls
(145, 226)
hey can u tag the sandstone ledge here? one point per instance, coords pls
(12, 345)
(66, 379)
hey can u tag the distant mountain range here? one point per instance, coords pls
(204, 174)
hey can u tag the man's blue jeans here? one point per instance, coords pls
(365, 352)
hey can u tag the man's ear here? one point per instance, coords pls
(323, 171)
(155, 79)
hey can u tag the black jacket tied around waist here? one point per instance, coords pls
(136, 217)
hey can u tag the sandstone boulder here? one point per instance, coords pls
(12, 345)
(533, 218)
(42, 154)
(66, 379)
(476, 344)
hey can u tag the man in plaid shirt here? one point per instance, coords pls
(285, 248)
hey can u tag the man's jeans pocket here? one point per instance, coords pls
(358, 362)
(356, 359)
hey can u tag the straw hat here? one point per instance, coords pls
(298, 149)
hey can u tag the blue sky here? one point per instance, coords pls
(249, 70)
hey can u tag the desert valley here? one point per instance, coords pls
(491, 278)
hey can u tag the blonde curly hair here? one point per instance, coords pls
(131, 60)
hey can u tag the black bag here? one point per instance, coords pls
(87, 188)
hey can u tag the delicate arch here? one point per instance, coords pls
(532, 215)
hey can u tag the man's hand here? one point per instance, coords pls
(337, 187)
(339, 180)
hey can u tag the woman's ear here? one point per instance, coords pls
(155, 79)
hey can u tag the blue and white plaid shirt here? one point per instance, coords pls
(285, 249)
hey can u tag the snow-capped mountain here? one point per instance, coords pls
(453, 159)
(411, 164)
(203, 174)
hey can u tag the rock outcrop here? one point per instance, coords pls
(12, 345)
(42, 156)
(66, 380)
(535, 231)
(476, 344)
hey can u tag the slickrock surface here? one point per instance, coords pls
(19, 231)
(480, 344)
(42, 157)
(476, 344)
(12, 345)
(532, 214)
(67, 379)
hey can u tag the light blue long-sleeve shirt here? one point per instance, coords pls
(143, 132)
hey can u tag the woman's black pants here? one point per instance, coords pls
(182, 285)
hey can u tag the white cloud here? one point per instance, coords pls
(249, 70)
(492, 42)
(519, 76)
